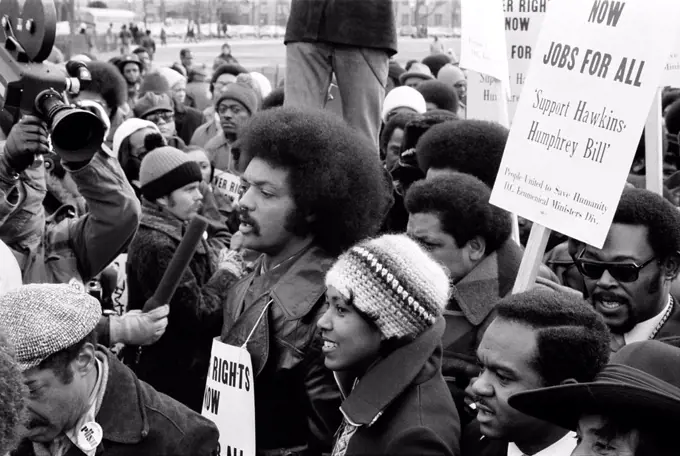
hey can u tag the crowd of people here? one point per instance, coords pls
(357, 257)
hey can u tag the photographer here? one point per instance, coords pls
(70, 249)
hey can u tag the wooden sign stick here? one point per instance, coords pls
(532, 258)
(654, 147)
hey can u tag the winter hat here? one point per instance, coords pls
(127, 128)
(394, 282)
(262, 82)
(417, 70)
(241, 93)
(435, 62)
(43, 319)
(166, 169)
(403, 97)
(172, 76)
(450, 75)
(153, 102)
(440, 94)
(154, 82)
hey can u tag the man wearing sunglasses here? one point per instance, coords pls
(629, 279)
(158, 109)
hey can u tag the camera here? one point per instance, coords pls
(29, 86)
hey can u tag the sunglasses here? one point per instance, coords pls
(621, 272)
(158, 116)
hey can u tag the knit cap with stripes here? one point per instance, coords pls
(393, 281)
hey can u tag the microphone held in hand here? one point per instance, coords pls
(179, 263)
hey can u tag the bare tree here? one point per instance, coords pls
(423, 9)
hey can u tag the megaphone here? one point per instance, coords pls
(29, 86)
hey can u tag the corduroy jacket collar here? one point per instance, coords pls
(387, 379)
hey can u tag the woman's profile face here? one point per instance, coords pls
(596, 436)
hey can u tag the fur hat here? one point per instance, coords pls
(242, 93)
(165, 170)
(440, 94)
(394, 282)
(403, 97)
(435, 62)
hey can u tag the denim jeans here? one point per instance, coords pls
(361, 74)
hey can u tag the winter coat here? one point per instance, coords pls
(177, 364)
(205, 133)
(218, 150)
(368, 24)
(187, 120)
(296, 398)
(469, 312)
(401, 405)
(137, 420)
(69, 249)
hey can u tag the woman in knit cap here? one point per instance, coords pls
(382, 338)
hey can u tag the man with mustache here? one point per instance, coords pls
(177, 364)
(313, 188)
(234, 106)
(539, 338)
(629, 279)
(80, 399)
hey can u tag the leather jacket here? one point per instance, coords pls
(296, 400)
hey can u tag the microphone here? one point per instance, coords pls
(178, 264)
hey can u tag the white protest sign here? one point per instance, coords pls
(671, 74)
(574, 133)
(227, 184)
(522, 21)
(482, 38)
(229, 399)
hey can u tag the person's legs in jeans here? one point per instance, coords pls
(308, 74)
(362, 77)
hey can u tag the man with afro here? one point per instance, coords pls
(313, 188)
(467, 146)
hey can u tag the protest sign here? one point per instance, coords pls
(574, 133)
(522, 23)
(229, 399)
(482, 38)
(227, 184)
(671, 74)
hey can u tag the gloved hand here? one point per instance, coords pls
(27, 139)
(139, 328)
(232, 261)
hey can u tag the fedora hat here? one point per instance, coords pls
(640, 384)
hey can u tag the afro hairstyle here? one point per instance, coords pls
(435, 62)
(461, 202)
(274, 99)
(109, 83)
(572, 339)
(441, 95)
(641, 207)
(669, 97)
(344, 190)
(398, 121)
(12, 409)
(468, 146)
(227, 68)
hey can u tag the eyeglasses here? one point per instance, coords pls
(622, 272)
(156, 117)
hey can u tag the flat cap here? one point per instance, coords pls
(43, 319)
